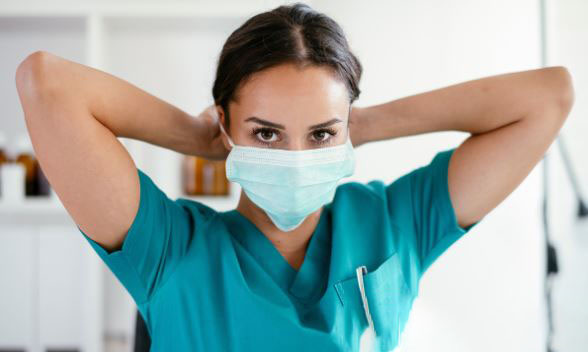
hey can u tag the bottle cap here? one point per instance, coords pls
(23, 144)
(10, 151)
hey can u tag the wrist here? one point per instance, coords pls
(357, 126)
(201, 136)
(189, 137)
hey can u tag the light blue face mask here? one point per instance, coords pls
(289, 184)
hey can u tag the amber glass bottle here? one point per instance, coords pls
(26, 156)
(36, 184)
(3, 152)
(201, 176)
(221, 183)
(3, 156)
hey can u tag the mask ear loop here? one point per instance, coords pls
(225, 133)
(348, 121)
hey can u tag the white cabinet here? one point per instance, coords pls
(19, 280)
(50, 296)
(64, 278)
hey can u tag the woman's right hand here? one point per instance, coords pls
(209, 135)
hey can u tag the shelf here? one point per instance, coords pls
(218, 203)
(33, 211)
(50, 210)
(34, 204)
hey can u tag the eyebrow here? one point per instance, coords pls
(277, 125)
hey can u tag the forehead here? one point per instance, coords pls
(296, 90)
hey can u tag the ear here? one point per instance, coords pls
(220, 113)
(221, 118)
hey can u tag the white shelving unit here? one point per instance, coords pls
(166, 48)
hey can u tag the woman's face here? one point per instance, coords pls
(285, 107)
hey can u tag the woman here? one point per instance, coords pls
(301, 263)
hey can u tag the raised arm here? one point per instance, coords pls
(513, 119)
(74, 114)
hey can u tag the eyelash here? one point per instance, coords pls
(257, 130)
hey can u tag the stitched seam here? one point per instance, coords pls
(415, 225)
(340, 292)
(143, 287)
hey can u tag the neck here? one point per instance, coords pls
(292, 244)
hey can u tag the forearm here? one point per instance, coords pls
(475, 106)
(123, 108)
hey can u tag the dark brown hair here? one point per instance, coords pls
(294, 34)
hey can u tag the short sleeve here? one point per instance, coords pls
(156, 242)
(435, 221)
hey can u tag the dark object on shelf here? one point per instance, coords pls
(142, 338)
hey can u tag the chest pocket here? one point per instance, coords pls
(386, 301)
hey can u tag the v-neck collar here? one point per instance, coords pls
(309, 281)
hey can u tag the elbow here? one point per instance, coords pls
(562, 89)
(31, 75)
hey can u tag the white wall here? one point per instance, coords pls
(568, 41)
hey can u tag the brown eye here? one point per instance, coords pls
(323, 136)
(265, 135)
(320, 135)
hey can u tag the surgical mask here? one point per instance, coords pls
(289, 185)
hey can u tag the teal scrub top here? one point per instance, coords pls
(208, 280)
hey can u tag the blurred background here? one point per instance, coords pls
(489, 292)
